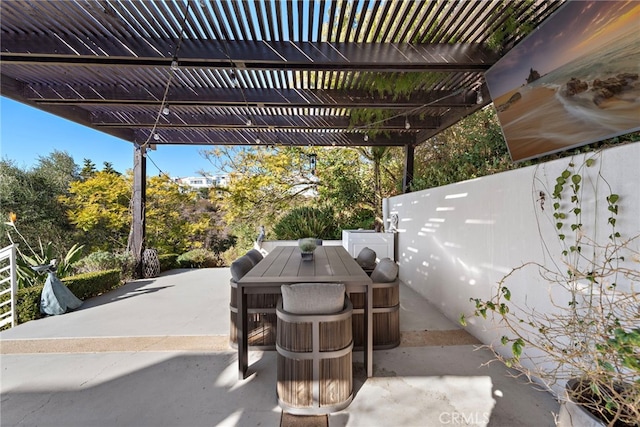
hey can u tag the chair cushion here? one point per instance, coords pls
(255, 256)
(313, 298)
(366, 258)
(240, 267)
(386, 271)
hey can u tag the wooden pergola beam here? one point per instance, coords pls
(246, 54)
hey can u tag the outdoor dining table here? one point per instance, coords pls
(285, 265)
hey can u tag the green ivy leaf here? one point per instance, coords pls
(576, 179)
(516, 348)
(504, 309)
(613, 198)
(590, 162)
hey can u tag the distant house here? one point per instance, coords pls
(201, 182)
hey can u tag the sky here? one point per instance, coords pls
(27, 133)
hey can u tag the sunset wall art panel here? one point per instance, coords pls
(573, 81)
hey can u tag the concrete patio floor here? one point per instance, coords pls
(155, 353)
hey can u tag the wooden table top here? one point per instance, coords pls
(284, 264)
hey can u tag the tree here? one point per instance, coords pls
(108, 168)
(58, 168)
(263, 182)
(267, 183)
(88, 169)
(471, 148)
(99, 206)
(178, 220)
(33, 196)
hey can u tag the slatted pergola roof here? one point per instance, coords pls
(221, 72)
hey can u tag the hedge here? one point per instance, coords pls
(83, 286)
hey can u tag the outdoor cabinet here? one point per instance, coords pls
(382, 243)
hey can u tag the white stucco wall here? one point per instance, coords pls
(457, 241)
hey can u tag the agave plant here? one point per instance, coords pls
(29, 257)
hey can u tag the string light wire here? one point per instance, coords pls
(172, 71)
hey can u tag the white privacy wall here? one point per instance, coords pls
(457, 241)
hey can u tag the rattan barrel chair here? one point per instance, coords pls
(261, 308)
(314, 344)
(386, 308)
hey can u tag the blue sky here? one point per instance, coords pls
(27, 133)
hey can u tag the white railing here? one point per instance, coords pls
(8, 286)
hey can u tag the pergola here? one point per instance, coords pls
(263, 72)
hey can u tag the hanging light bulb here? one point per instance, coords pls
(479, 98)
(166, 110)
(249, 122)
(257, 140)
(407, 125)
(366, 137)
(174, 64)
(234, 79)
(156, 136)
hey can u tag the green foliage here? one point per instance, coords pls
(306, 221)
(168, 261)
(358, 219)
(27, 257)
(176, 220)
(268, 181)
(179, 220)
(97, 261)
(99, 206)
(88, 169)
(307, 244)
(83, 286)
(88, 285)
(221, 244)
(471, 148)
(32, 195)
(510, 28)
(198, 258)
(28, 304)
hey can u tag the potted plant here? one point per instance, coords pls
(584, 343)
(307, 246)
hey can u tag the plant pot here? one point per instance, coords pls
(573, 414)
(307, 256)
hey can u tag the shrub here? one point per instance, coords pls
(127, 265)
(28, 304)
(97, 261)
(198, 258)
(102, 260)
(168, 261)
(89, 285)
(307, 222)
(83, 286)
